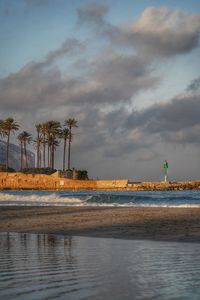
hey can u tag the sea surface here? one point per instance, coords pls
(41, 267)
(102, 198)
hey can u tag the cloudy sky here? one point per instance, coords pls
(128, 71)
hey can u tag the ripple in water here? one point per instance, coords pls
(79, 268)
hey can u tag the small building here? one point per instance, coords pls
(72, 174)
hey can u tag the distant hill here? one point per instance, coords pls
(14, 156)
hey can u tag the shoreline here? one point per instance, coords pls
(158, 224)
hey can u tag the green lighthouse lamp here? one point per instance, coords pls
(165, 168)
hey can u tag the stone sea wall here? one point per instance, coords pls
(46, 182)
(41, 182)
(20, 181)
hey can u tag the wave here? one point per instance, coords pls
(38, 198)
(111, 199)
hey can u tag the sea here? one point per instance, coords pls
(102, 198)
(45, 266)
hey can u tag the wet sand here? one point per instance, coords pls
(169, 224)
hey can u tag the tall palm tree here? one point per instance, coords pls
(70, 123)
(53, 131)
(9, 126)
(20, 139)
(38, 128)
(55, 143)
(39, 142)
(44, 134)
(65, 136)
(26, 138)
(48, 126)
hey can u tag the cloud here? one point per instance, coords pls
(108, 80)
(148, 156)
(180, 113)
(124, 145)
(37, 84)
(176, 121)
(39, 91)
(160, 32)
(157, 33)
(70, 46)
(100, 135)
(122, 76)
(184, 136)
(194, 85)
(93, 13)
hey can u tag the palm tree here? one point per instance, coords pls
(70, 123)
(38, 142)
(55, 143)
(26, 138)
(9, 126)
(53, 131)
(38, 128)
(48, 134)
(44, 133)
(65, 136)
(20, 139)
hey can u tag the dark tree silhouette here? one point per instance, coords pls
(70, 123)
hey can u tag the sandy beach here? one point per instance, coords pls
(169, 224)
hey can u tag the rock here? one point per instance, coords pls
(15, 156)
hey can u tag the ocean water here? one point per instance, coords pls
(102, 198)
(39, 267)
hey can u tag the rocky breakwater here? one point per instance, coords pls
(164, 186)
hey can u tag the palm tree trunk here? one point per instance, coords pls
(37, 148)
(7, 152)
(52, 151)
(21, 146)
(52, 156)
(48, 157)
(44, 150)
(69, 153)
(25, 152)
(64, 153)
(39, 154)
(23, 156)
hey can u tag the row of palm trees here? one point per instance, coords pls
(49, 135)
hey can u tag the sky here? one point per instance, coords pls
(128, 71)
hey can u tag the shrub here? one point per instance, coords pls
(46, 171)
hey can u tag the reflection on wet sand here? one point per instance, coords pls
(39, 266)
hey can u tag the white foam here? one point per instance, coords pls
(38, 198)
